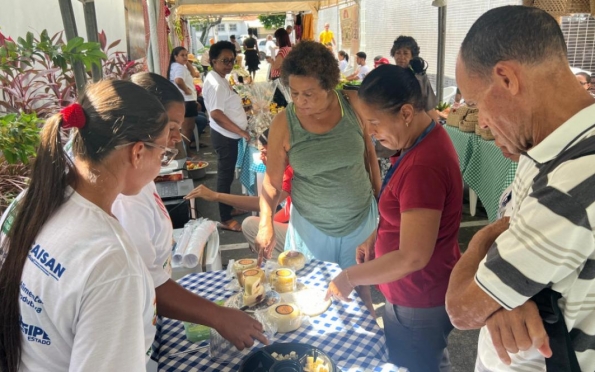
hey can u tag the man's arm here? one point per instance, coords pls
(176, 302)
(469, 306)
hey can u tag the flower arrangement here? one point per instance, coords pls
(258, 98)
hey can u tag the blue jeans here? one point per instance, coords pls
(417, 338)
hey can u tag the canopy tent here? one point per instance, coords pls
(229, 7)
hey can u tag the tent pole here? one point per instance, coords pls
(80, 77)
(154, 66)
(441, 52)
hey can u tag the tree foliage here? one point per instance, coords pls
(272, 22)
(204, 24)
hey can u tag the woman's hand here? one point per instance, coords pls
(340, 288)
(246, 135)
(202, 192)
(365, 251)
(265, 242)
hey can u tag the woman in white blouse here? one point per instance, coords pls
(180, 73)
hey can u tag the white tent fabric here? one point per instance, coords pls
(216, 7)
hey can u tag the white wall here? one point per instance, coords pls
(19, 17)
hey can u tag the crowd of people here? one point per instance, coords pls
(85, 249)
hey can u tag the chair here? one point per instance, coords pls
(448, 94)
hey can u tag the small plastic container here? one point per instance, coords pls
(196, 332)
(283, 280)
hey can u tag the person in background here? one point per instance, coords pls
(343, 60)
(237, 45)
(179, 74)
(327, 37)
(270, 47)
(81, 274)
(362, 70)
(270, 52)
(284, 48)
(251, 203)
(584, 80)
(289, 29)
(228, 123)
(145, 219)
(233, 40)
(333, 206)
(251, 53)
(204, 62)
(411, 255)
(404, 49)
(458, 99)
(380, 60)
(548, 246)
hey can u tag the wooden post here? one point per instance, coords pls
(92, 32)
(80, 76)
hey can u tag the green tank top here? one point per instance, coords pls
(331, 188)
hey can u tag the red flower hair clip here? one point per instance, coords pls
(73, 116)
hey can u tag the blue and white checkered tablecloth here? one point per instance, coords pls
(346, 331)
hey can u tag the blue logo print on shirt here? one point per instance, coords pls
(46, 263)
(34, 333)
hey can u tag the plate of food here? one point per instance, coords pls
(196, 169)
(291, 356)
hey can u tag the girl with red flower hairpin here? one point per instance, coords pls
(75, 292)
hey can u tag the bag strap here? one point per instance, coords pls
(563, 357)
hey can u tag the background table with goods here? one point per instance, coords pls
(485, 170)
(346, 332)
(257, 99)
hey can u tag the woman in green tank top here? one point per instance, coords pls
(334, 208)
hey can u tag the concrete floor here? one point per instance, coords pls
(462, 344)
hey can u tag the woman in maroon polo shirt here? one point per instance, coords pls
(416, 246)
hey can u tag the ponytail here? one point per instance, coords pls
(40, 202)
(418, 65)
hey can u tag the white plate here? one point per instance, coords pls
(310, 300)
(169, 168)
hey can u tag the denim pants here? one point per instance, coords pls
(227, 155)
(417, 338)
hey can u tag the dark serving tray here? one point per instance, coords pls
(261, 360)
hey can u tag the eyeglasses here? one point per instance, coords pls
(168, 155)
(227, 61)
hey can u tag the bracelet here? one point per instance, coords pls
(349, 281)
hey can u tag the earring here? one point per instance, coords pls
(407, 124)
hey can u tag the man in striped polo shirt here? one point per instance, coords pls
(512, 65)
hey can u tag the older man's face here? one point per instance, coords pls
(498, 109)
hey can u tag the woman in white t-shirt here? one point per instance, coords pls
(146, 220)
(75, 292)
(228, 122)
(343, 61)
(180, 73)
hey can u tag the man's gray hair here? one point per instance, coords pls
(511, 33)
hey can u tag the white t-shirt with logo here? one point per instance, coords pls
(180, 71)
(87, 301)
(219, 95)
(145, 219)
